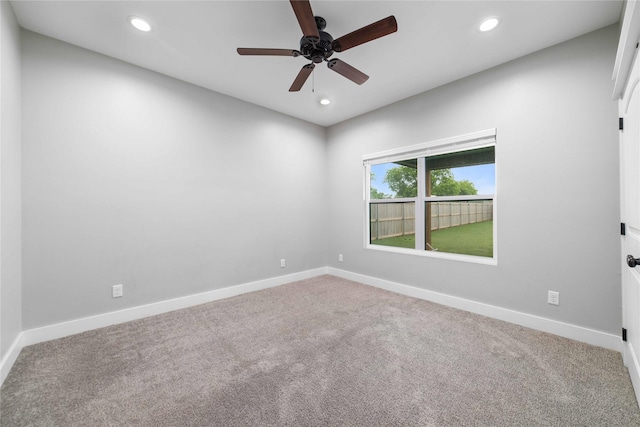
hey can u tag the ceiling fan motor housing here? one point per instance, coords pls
(317, 45)
(317, 50)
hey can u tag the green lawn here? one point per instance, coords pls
(471, 239)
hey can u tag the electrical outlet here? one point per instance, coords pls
(340, 259)
(553, 297)
(282, 263)
(116, 291)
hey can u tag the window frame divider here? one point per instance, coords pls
(470, 141)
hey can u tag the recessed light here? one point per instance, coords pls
(325, 101)
(489, 24)
(139, 23)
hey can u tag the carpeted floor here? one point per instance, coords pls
(320, 352)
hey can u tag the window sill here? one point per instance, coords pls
(433, 254)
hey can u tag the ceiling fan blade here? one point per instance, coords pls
(373, 31)
(261, 51)
(304, 14)
(347, 71)
(302, 77)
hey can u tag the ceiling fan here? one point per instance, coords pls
(317, 45)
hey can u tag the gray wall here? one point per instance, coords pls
(10, 209)
(133, 177)
(557, 147)
(136, 178)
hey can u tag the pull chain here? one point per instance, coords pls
(313, 81)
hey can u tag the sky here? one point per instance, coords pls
(482, 176)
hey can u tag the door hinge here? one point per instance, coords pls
(620, 123)
(624, 334)
(623, 229)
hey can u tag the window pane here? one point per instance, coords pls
(394, 180)
(460, 227)
(465, 173)
(393, 224)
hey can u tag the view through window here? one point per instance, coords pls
(439, 203)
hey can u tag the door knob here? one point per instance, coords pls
(632, 262)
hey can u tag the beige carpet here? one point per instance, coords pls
(320, 352)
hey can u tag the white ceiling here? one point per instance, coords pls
(437, 42)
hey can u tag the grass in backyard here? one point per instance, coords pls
(471, 239)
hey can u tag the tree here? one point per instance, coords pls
(443, 183)
(403, 180)
(375, 193)
(467, 188)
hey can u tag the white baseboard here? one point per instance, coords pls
(10, 358)
(578, 333)
(76, 326)
(59, 330)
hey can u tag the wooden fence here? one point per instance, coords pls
(398, 219)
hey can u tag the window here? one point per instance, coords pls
(436, 199)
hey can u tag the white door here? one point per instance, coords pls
(630, 216)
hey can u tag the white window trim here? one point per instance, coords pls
(470, 141)
(484, 138)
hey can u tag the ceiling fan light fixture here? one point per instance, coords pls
(325, 101)
(489, 24)
(139, 24)
(317, 46)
